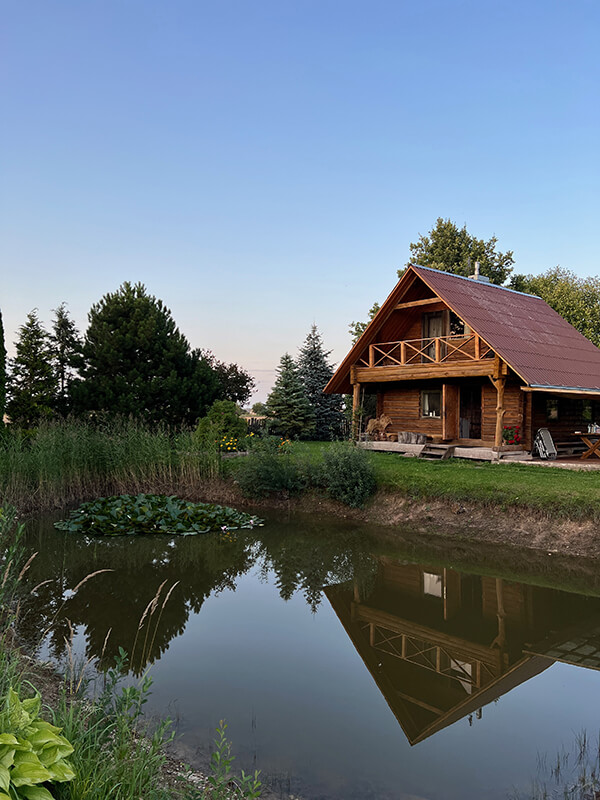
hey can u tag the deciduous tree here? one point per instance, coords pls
(235, 383)
(452, 249)
(574, 298)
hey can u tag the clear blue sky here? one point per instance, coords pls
(264, 165)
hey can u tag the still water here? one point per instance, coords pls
(348, 663)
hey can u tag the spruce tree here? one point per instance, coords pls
(2, 373)
(287, 405)
(32, 383)
(316, 371)
(66, 345)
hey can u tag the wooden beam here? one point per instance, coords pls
(355, 409)
(500, 384)
(428, 301)
(408, 372)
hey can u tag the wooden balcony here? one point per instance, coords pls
(438, 356)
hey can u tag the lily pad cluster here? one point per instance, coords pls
(33, 754)
(153, 513)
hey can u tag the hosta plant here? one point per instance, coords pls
(152, 513)
(33, 754)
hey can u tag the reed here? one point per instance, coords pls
(72, 460)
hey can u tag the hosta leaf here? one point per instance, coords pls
(4, 778)
(61, 771)
(34, 793)
(27, 774)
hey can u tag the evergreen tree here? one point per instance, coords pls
(66, 345)
(287, 404)
(316, 371)
(32, 382)
(2, 373)
(136, 362)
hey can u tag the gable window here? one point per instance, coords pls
(457, 326)
(431, 403)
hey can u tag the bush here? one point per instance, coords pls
(222, 423)
(269, 469)
(347, 474)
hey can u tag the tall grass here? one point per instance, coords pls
(69, 461)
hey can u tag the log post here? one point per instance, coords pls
(355, 409)
(499, 383)
(477, 347)
(371, 356)
(438, 350)
(403, 352)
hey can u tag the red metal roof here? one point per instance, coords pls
(531, 337)
(535, 341)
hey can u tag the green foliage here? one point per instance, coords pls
(224, 785)
(287, 404)
(356, 329)
(235, 383)
(222, 421)
(136, 362)
(116, 755)
(316, 371)
(149, 513)
(2, 372)
(269, 469)
(32, 382)
(452, 249)
(67, 460)
(574, 298)
(66, 350)
(32, 751)
(348, 474)
(259, 409)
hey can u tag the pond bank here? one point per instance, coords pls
(459, 521)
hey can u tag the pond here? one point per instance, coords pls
(349, 664)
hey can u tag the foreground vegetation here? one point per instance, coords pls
(93, 746)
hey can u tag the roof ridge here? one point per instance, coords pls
(472, 280)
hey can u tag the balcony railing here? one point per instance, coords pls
(432, 350)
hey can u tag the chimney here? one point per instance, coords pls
(477, 277)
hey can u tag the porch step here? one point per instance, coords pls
(437, 452)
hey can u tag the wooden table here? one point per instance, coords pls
(592, 442)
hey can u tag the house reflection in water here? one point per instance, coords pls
(441, 644)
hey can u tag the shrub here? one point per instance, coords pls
(269, 469)
(223, 422)
(347, 474)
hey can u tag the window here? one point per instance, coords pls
(457, 326)
(431, 403)
(551, 409)
(432, 584)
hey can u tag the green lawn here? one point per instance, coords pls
(559, 492)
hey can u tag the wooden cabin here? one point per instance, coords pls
(441, 644)
(461, 359)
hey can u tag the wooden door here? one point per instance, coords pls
(432, 326)
(470, 411)
(450, 408)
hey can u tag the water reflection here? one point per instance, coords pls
(441, 644)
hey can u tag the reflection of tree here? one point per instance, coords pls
(316, 557)
(116, 600)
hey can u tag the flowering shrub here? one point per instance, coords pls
(511, 434)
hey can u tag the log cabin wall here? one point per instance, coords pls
(513, 404)
(403, 407)
(571, 414)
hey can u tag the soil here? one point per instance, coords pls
(442, 518)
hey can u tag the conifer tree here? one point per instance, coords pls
(2, 373)
(287, 405)
(66, 345)
(32, 382)
(136, 362)
(316, 371)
